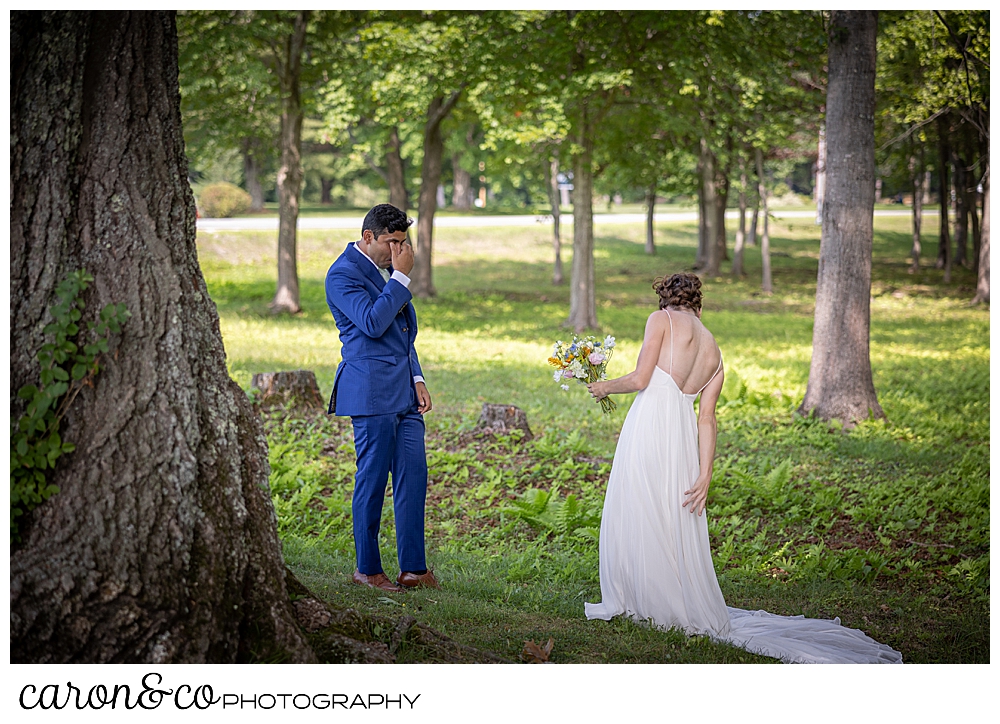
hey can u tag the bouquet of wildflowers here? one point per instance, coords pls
(585, 360)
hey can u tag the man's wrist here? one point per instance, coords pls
(418, 378)
(401, 278)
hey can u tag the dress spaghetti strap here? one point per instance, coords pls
(671, 370)
(712, 377)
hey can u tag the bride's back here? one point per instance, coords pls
(688, 353)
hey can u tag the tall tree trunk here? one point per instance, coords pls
(325, 191)
(741, 230)
(552, 184)
(765, 237)
(650, 213)
(840, 375)
(701, 256)
(983, 276)
(251, 173)
(961, 210)
(927, 187)
(917, 174)
(286, 297)
(944, 239)
(712, 258)
(430, 177)
(395, 171)
(721, 201)
(582, 302)
(819, 192)
(752, 234)
(461, 195)
(161, 544)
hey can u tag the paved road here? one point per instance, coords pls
(270, 223)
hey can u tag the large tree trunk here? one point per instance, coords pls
(711, 256)
(840, 375)
(752, 234)
(326, 191)
(741, 230)
(983, 277)
(582, 302)
(917, 174)
(650, 214)
(430, 177)
(290, 174)
(944, 239)
(552, 184)
(395, 171)
(251, 173)
(161, 544)
(765, 237)
(701, 256)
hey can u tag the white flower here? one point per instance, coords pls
(609, 342)
(557, 375)
(565, 388)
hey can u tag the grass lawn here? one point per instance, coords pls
(885, 525)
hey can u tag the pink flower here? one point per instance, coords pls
(568, 373)
(596, 358)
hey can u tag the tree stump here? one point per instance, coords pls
(503, 419)
(288, 389)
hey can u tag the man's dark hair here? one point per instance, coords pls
(385, 219)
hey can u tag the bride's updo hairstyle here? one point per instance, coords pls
(679, 290)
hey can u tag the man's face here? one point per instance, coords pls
(378, 249)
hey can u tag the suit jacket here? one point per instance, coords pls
(378, 326)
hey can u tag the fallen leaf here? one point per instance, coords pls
(535, 654)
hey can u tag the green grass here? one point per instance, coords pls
(885, 525)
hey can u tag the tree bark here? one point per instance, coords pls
(917, 174)
(582, 302)
(701, 256)
(325, 191)
(742, 229)
(752, 234)
(290, 174)
(461, 195)
(840, 376)
(711, 256)
(161, 545)
(721, 201)
(961, 210)
(819, 191)
(765, 237)
(983, 277)
(650, 213)
(430, 177)
(944, 239)
(251, 173)
(395, 171)
(552, 184)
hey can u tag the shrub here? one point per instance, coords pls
(222, 200)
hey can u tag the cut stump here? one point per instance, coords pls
(297, 388)
(503, 419)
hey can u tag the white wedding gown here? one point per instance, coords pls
(656, 564)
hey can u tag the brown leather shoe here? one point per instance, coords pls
(379, 580)
(418, 580)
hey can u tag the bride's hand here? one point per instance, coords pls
(597, 389)
(697, 496)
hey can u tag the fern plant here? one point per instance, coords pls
(66, 368)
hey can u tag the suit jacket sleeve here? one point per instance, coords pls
(351, 297)
(415, 362)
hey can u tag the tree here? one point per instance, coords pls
(840, 375)
(160, 545)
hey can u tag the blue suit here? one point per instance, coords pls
(374, 386)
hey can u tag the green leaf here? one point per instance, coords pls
(27, 392)
(79, 370)
(68, 447)
(22, 445)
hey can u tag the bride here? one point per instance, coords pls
(655, 560)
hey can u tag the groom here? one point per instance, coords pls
(380, 386)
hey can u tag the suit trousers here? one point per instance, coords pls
(390, 443)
